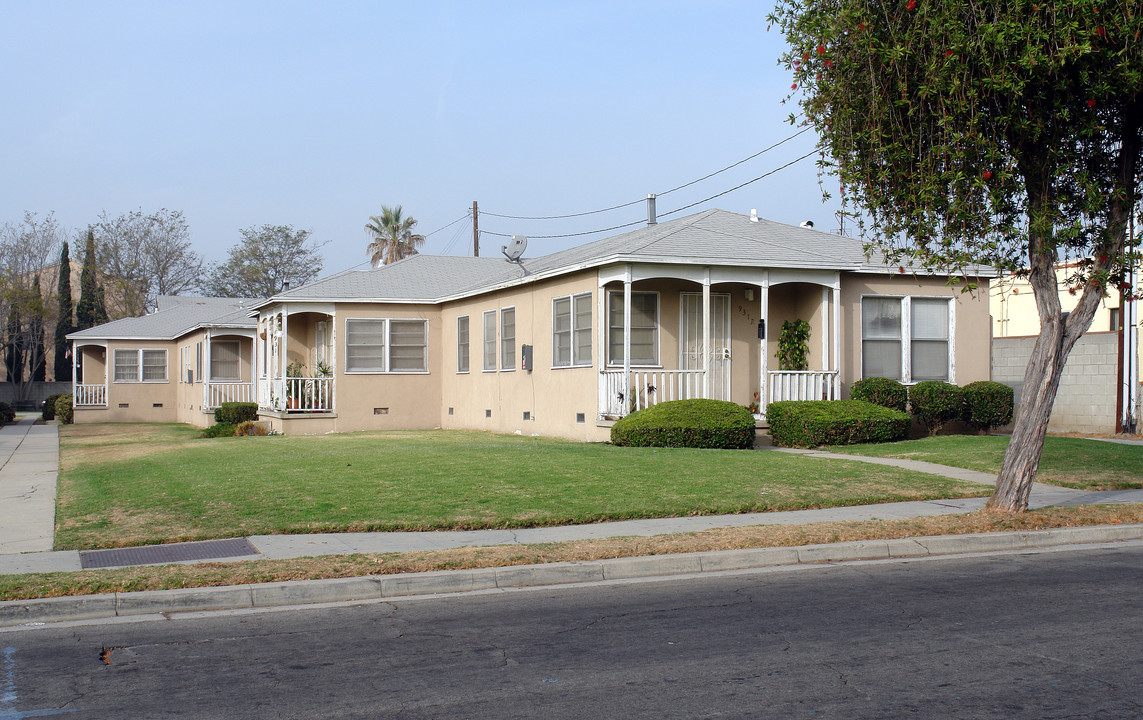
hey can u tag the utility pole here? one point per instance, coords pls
(475, 230)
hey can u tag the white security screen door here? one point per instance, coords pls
(690, 340)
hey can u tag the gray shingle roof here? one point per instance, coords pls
(174, 318)
(710, 237)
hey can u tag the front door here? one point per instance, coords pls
(691, 350)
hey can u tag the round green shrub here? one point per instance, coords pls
(881, 391)
(810, 423)
(233, 413)
(64, 410)
(48, 412)
(934, 403)
(7, 414)
(687, 423)
(988, 404)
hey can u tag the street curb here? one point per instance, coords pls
(383, 587)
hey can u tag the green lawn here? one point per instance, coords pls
(136, 484)
(1071, 462)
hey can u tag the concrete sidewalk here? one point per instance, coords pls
(29, 465)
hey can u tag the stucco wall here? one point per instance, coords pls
(152, 401)
(1085, 401)
(973, 330)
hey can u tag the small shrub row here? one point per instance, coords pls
(810, 423)
(7, 414)
(687, 423)
(983, 405)
(234, 413)
(218, 430)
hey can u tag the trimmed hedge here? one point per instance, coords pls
(64, 409)
(934, 403)
(235, 413)
(810, 423)
(881, 391)
(7, 414)
(48, 412)
(687, 423)
(988, 404)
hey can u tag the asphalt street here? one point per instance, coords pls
(1046, 634)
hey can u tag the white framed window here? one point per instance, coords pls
(508, 338)
(224, 360)
(132, 365)
(644, 328)
(489, 318)
(462, 351)
(198, 362)
(571, 330)
(907, 338)
(408, 346)
(126, 365)
(364, 345)
(386, 345)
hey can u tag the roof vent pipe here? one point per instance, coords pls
(753, 214)
(807, 224)
(285, 286)
(651, 219)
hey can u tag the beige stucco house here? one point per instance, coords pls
(563, 344)
(176, 364)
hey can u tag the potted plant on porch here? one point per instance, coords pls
(295, 371)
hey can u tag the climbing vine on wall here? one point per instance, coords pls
(792, 345)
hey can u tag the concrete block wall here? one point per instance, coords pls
(1085, 402)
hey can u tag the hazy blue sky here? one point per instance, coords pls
(316, 114)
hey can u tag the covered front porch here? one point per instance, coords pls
(672, 333)
(295, 360)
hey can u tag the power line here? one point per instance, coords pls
(670, 212)
(737, 187)
(636, 202)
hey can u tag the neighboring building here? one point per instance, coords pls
(563, 344)
(1100, 389)
(176, 364)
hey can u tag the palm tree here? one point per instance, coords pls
(393, 237)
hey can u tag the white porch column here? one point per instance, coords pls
(206, 371)
(626, 339)
(603, 326)
(282, 345)
(707, 349)
(826, 328)
(763, 312)
(74, 363)
(837, 338)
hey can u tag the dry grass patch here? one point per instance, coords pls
(165, 577)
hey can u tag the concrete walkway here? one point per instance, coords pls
(31, 455)
(29, 464)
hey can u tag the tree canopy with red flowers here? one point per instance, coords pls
(1001, 133)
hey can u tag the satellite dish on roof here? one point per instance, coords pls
(515, 248)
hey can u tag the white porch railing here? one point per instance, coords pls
(296, 394)
(216, 393)
(802, 385)
(649, 387)
(90, 395)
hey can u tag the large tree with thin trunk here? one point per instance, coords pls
(145, 255)
(264, 261)
(1006, 133)
(392, 236)
(25, 250)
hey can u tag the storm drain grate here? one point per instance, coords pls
(174, 552)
